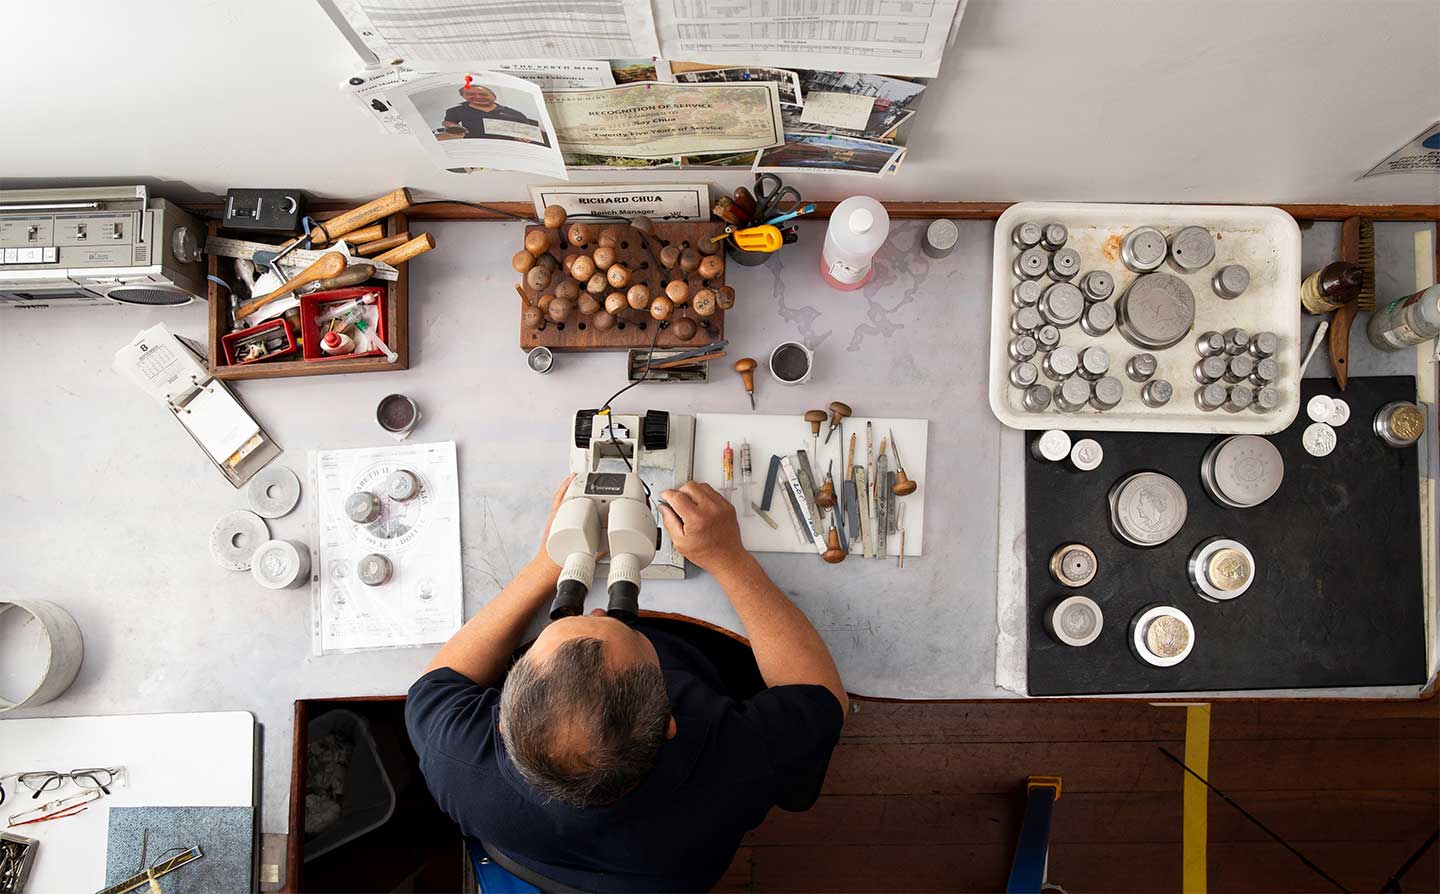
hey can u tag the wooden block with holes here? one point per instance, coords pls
(641, 255)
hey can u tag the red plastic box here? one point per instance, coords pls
(315, 304)
(230, 340)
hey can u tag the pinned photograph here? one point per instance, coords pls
(788, 81)
(830, 152)
(482, 120)
(893, 102)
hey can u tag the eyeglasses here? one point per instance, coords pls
(87, 778)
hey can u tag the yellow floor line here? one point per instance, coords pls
(1197, 757)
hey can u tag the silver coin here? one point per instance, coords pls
(1320, 408)
(1157, 311)
(1053, 445)
(1319, 439)
(1086, 455)
(1149, 508)
(1339, 412)
(1074, 620)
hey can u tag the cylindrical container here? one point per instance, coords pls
(1221, 569)
(1143, 250)
(1062, 304)
(1267, 399)
(1037, 399)
(362, 507)
(1107, 393)
(1400, 423)
(1237, 341)
(1266, 370)
(1054, 236)
(1027, 234)
(1161, 635)
(41, 651)
(374, 570)
(1239, 398)
(1023, 375)
(1208, 344)
(1074, 620)
(858, 227)
(1025, 321)
(1239, 368)
(1072, 394)
(1211, 397)
(1192, 248)
(1141, 367)
(1210, 369)
(1086, 455)
(940, 238)
(1147, 508)
(1031, 263)
(1099, 319)
(1026, 293)
(1022, 348)
(1331, 286)
(1097, 285)
(1094, 362)
(1230, 281)
(1242, 471)
(398, 415)
(1051, 446)
(1157, 311)
(1073, 565)
(1064, 264)
(1048, 336)
(1264, 344)
(402, 485)
(1061, 363)
(1406, 321)
(281, 565)
(540, 359)
(791, 363)
(1157, 393)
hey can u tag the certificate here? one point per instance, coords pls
(650, 120)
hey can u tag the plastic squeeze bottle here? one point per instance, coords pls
(858, 227)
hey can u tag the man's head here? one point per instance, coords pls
(583, 714)
(476, 95)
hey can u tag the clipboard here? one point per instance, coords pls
(170, 369)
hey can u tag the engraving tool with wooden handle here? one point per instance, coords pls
(402, 253)
(330, 264)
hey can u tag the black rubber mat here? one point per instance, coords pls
(1337, 599)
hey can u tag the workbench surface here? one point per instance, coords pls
(108, 505)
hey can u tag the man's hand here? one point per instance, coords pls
(702, 525)
(542, 558)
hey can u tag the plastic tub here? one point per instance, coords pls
(368, 800)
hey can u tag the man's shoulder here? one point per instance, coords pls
(447, 713)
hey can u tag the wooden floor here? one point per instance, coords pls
(928, 797)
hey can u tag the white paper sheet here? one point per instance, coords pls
(845, 110)
(159, 364)
(218, 422)
(898, 37)
(423, 601)
(659, 201)
(1420, 154)
(424, 32)
(427, 102)
(549, 74)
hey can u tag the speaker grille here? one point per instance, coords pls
(152, 296)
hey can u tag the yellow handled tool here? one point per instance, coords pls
(762, 238)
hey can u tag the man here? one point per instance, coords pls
(471, 120)
(629, 759)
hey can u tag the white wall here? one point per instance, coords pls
(1288, 100)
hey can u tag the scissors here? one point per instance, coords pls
(770, 195)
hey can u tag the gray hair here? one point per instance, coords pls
(578, 731)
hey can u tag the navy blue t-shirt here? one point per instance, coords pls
(731, 760)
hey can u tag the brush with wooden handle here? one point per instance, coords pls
(330, 264)
(402, 253)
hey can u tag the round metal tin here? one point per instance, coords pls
(1074, 621)
(940, 238)
(1086, 455)
(362, 507)
(1242, 471)
(1062, 304)
(1053, 445)
(281, 564)
(236, 537)
(1143, 249)
(1157, 311)
(1230, 281)
(1162, 635)
(273, 492)
(1221, 569)
(1073, 565)
(540, 359)
(1192, 248)
(402, 485)
(374, 570)
(1399, 423)
(1147, 508)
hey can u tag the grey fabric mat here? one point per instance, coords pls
(225, 835)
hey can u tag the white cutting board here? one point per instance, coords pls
(172, 760)
(784, 435)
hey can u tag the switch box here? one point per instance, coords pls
(264, 210)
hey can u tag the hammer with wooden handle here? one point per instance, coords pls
(330, 264)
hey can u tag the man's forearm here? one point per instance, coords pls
(481, 649)
(787, 647)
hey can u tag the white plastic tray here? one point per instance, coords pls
(1265, 240)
